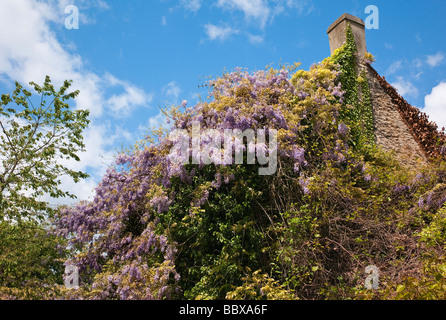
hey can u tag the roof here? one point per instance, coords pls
(425, 132)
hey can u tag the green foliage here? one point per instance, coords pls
(34, 136)
(218, 240)
(429, 282)
(346, 58)
(30, 261)
(366, 109)
(434, 234)
(258, 286)
(358, 111)
(431, 285)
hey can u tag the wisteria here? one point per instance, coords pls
(265, 190)
(343, 130)
(117, 241)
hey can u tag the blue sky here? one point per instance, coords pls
(129, 58)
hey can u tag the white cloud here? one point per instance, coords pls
(405, 88)
(258, 10)
(157, 121)
(30, 50)
(435, 60)
(191, 5)
(263, 11)
(418, 38)
(99, 140)
(83, 190)
(418, 75)
(102, 4)
(132, 97)
(83, 6)
(302, 6)
(153, 123)
(255, 39)
(219, 33)
(171, 92)
(435, 105)
(394, 67)
(418, 63)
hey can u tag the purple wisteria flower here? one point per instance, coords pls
(116, 231)
(298, 155)
(399, 189)
(304, 183)
(337, 91)
(160, 203)
(343, 130)
(303, 95)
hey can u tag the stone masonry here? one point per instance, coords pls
(391, 131)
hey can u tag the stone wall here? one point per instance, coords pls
(426, 132)
(391, 131)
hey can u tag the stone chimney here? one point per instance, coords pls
(336, 33)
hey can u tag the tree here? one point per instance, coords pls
(31, 261)
(34, 137)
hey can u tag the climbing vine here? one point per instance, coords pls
(358, 112)
(366, 110)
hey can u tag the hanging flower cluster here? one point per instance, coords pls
(118, 245)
